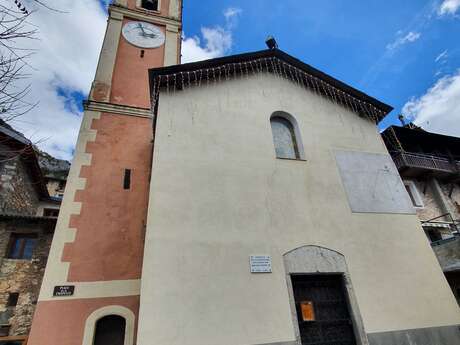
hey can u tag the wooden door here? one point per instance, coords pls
(322, 310)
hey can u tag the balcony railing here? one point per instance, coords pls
(423, 161)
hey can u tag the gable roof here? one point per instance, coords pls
(21, 146)
(272, 61)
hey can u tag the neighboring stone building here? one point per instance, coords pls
(429, 164)
(27, 219)
(55, 173)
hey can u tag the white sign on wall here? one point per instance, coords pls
(260, 263)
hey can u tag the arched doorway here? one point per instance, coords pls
(323, 304)
(110, 330)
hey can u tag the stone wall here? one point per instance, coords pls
(22, 276)
(17, 192)
(432, 205)
(452, 193)
(431, 208)
(19, 196)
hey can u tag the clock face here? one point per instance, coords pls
(143, 35)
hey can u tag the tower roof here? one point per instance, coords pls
(273, 61)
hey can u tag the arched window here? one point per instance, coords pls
(151, 5)
(285, 136)
(110, 330)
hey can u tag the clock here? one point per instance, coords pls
(143, 35)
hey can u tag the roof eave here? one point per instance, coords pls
(156, 72)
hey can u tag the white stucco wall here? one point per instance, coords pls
(218, 195)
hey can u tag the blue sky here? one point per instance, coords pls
(387, 49)
(405, 53)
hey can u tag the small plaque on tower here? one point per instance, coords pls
(63, 290)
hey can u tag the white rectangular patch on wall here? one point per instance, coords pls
(372, 183)
(260, 263)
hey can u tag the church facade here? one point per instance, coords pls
(243, 200)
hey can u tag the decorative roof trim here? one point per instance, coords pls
(272, 61)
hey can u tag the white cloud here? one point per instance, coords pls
(216, 41)
(232, 12)
(438, 110)
(442, 57)
(66, 56)
(231, 15)
(449, 7)
(409, 38)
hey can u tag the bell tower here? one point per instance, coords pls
(141, 34)
(93, 273)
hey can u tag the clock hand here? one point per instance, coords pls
(152, 33)
(145, 34)
(142, 28)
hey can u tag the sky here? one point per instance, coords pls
(404, 53)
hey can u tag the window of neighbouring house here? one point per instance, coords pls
(151, 5)
(286, 138)
(414, 195)
(51, 212)
(4, 330)
(12, 299)
(13, 342)
(433, 234)
(22, 246)
(437, 233)
(61, 185)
